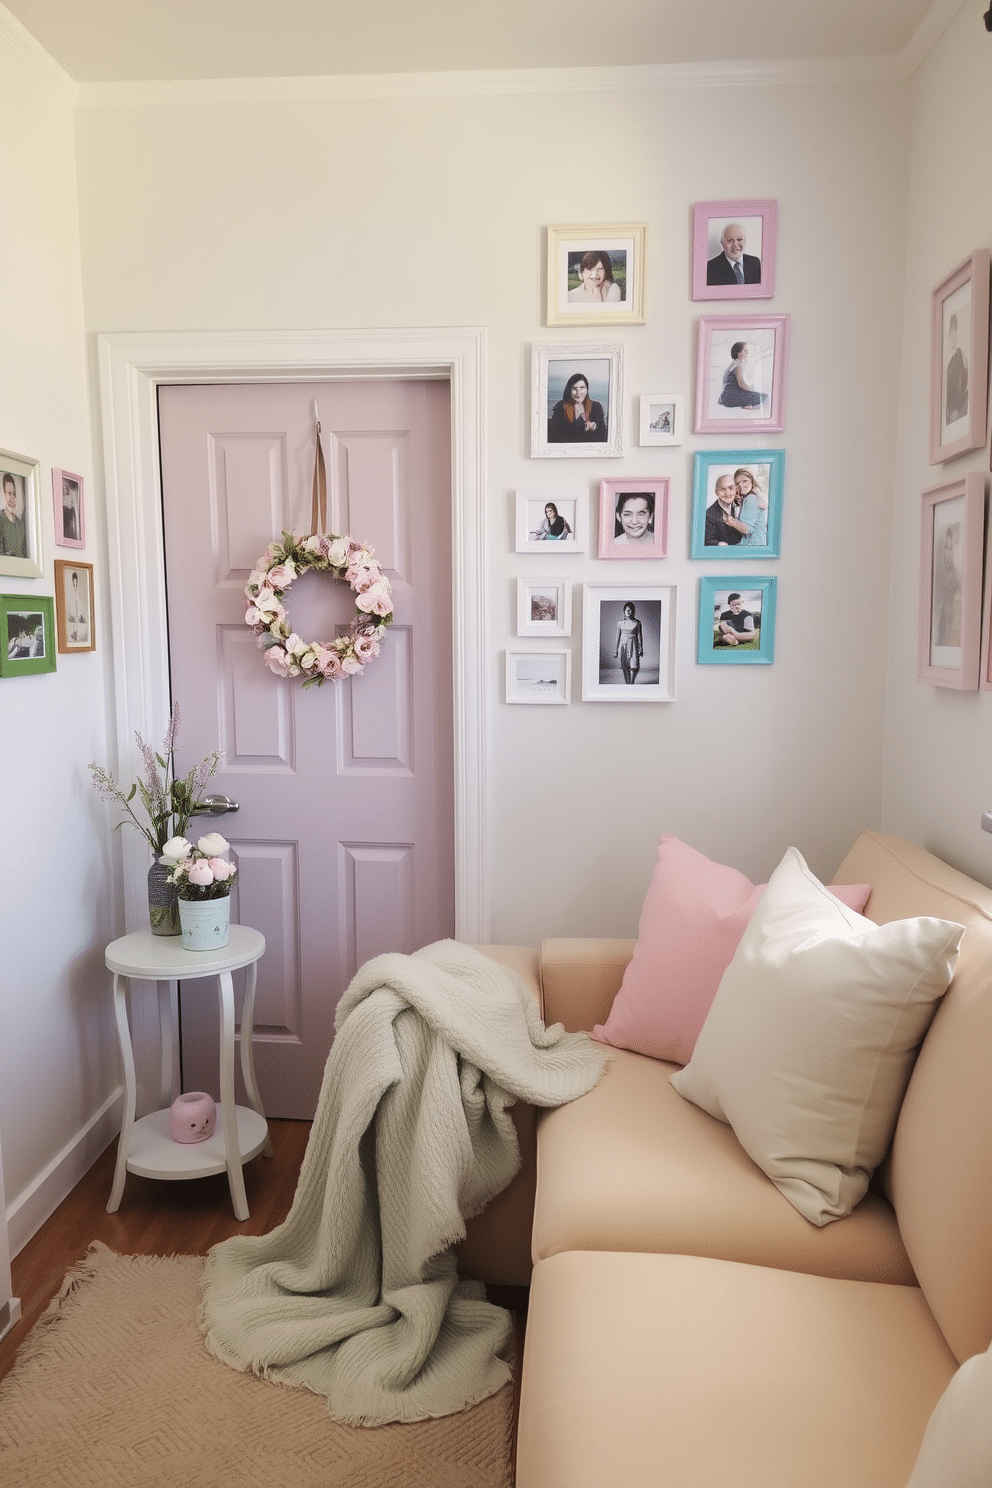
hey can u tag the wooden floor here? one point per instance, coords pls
(168, 1218)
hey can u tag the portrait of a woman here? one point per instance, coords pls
(577, 418)
(737, 390)
(596, 285)
(630, 643)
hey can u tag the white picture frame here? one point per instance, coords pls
(661, 418)
(541, 677)
(604, 674)
(556, 370)
(544, 607)
(570, 503)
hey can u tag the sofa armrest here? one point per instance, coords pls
(580, 976)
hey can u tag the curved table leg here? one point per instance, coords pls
(130, 1093)
(247, 1053)
(232, 1147)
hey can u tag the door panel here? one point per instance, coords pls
(344, 838)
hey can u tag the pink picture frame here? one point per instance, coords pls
(741, 366)
(633, 517)
(70, 516)
(959, 359)
(950, 611)
(752, 246)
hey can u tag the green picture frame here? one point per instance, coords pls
(28, 642)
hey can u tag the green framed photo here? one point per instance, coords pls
(27, 635)
(737, 621)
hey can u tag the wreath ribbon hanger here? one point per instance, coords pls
(318, 504)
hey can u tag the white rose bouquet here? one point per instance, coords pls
(200, 872)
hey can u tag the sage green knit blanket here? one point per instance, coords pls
(356, 1294)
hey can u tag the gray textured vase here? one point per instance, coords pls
(163, 902)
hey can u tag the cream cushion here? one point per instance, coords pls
(643, 1370)
(957, 1446)
(810, 1041)
(631, 1166)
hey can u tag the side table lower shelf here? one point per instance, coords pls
(154, 1154)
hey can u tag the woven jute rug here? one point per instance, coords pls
(114, 1388)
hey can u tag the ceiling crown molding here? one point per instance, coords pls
(20, 40)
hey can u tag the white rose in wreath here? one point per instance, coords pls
(288, 654)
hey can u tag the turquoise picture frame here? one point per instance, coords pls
(767, 467)
(757, 595)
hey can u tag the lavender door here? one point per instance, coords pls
(344, 833)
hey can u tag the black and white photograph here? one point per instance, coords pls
(67, 494)
(959, 351)
(628, 652)
(74, 605)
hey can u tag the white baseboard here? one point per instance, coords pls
(29, 1210)
(10, 1313)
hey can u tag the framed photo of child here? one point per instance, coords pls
(633, 517)
(596, 275)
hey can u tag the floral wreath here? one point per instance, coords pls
(347, 561)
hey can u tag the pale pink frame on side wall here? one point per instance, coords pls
(953, 665)
(974, 270)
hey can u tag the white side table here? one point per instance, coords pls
(241, 1133)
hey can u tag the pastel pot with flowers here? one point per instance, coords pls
(168, 800)
(203, 881)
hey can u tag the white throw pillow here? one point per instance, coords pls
(811, 1038)
(957, 1446)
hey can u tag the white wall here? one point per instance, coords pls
(938, 753)
(58, 1065)
(203, 211)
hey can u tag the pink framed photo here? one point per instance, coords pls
(633, 517)
(959, 356)
(70, 523)
(733, 249)
(950, 618)
(741, 364)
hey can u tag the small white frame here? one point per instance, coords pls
(570, 502)
(544, 607)
(653, 408)
(540, 677)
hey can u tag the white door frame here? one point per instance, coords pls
(131, 367)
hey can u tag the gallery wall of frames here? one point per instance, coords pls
(35, 628)
(738, 491)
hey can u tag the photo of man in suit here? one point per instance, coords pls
(733, 265)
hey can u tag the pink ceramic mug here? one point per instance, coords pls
(192, 1117)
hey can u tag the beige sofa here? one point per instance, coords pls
(687, 1326)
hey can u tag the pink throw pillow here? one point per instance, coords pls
(694, 914)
